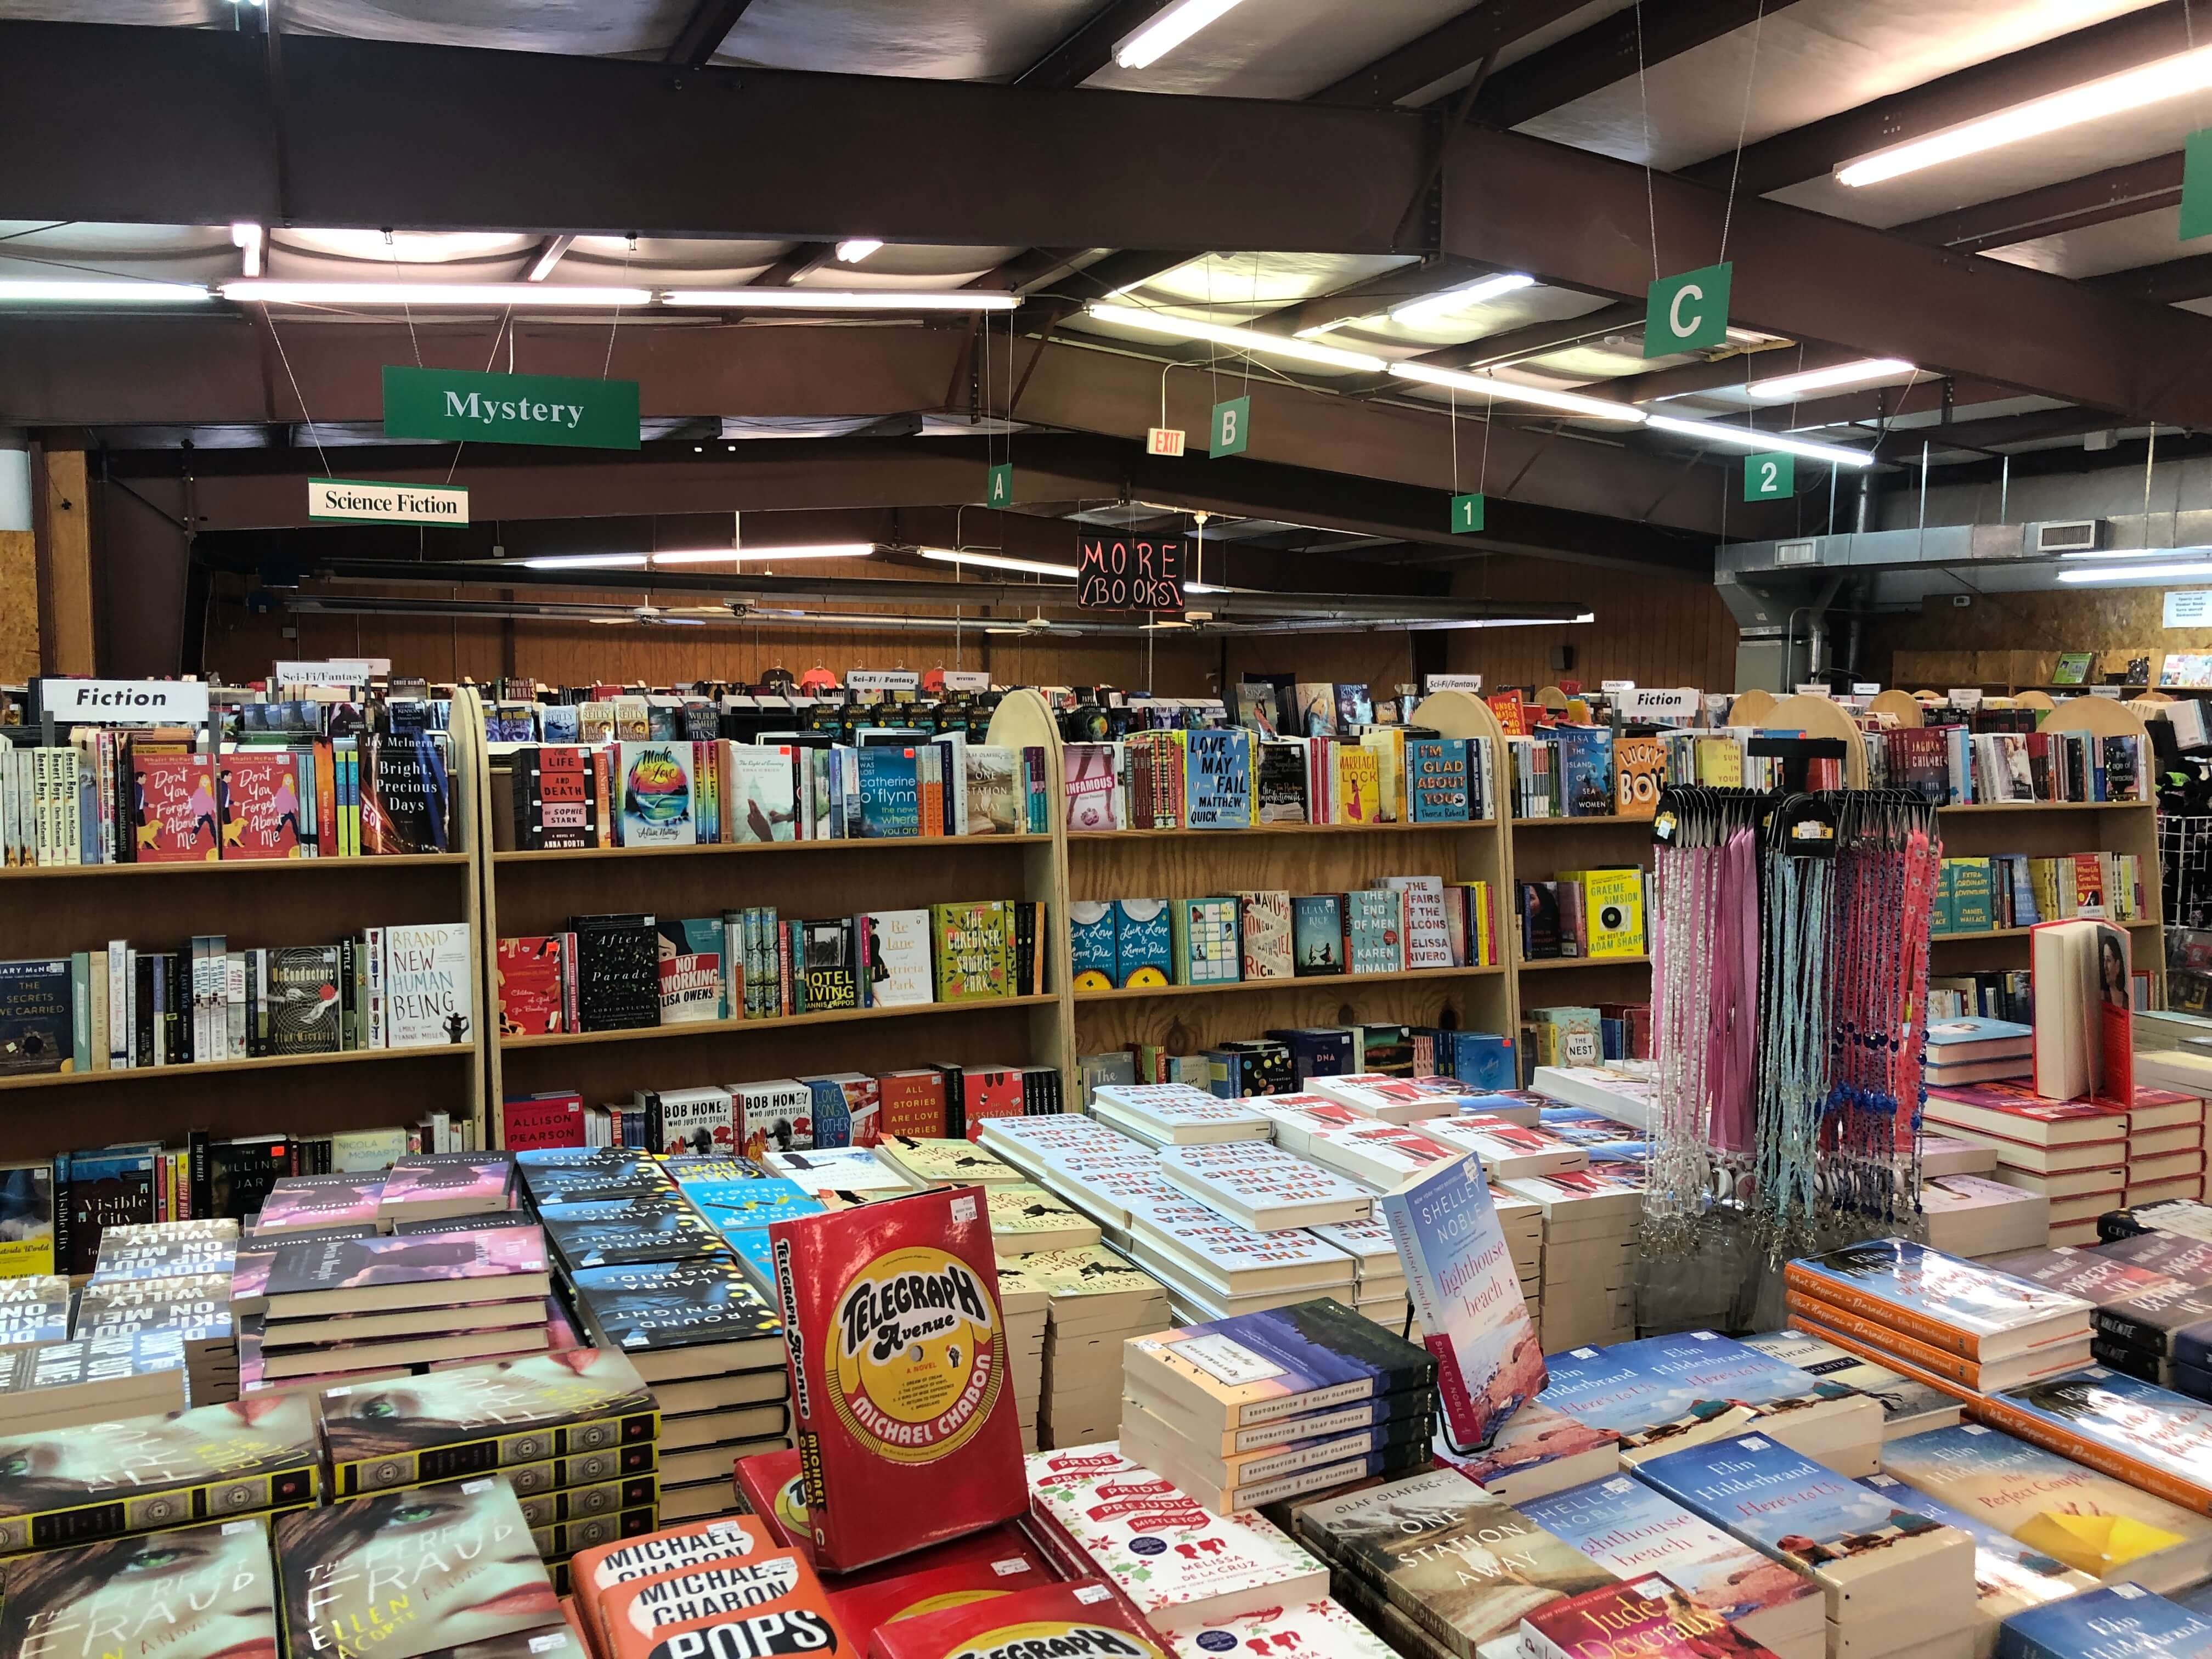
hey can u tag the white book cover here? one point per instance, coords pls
(776, 1115)
(1185, 1567)
(699, 1122)
(1374, 1253)
(1298, 1118)
(1263, 1185)
(895, 956)
(763, 800)
(1179, 1113)
(1387, 1099)
(1428, 934)
(1508, 1149)
(838, 1168)
(1232, 1260)
(428, 999)
(1317, 1630)
(1382, 1154)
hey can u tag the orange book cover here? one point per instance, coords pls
(762, 1604)
(1082, 1617)
(1879, 1355)
(1994, 1410)
(1512, 719)
(327, 844)
(1880, 1342)
(1639, 773)
(594, 1573)
(1814, 1292)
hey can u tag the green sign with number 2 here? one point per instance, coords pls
(1769, 478)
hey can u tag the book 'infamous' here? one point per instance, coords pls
(899, 1365)
(1467, 1293)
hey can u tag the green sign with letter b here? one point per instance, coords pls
(1232, 428)
(1687, 313)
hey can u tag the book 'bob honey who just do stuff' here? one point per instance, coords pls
(905, 1411)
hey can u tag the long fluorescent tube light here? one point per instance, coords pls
(2123, 553)
(834, 299)
(555, 249)
(1168, 30)
(2093, 101)
(1512, 392)
(116, 293)
(253, 239)
(998, 561)
(1244, 339)
(537, 295)
(1431, 306)
(1736, 437)
(854, 249)
(2127, 573)
(1862, 373)
(736, 554)
(584, 561)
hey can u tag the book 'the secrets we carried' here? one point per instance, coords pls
(899, 1374)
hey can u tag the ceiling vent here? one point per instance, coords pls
(2063, 535)
(1797, 553)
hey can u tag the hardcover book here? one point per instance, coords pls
(200, 1592)
(651, 1310)
(534, 985)
(1281, 1363)
(175, 808)
(895, 958)
(974, 949)
(626, 1230)
(262, 814)
(427, 980)
(36, 1033)
(557, 799)
(1961, 1306)
(672, 1549)
(2136, 1431)
(1467, 1293)
(1318, 934)
(689, 967)
(654, 784)
(405, 793)
(765, 1604)
(367, 1275)
(1219, 793)
(1084, 1617)
(1144, 943)
(899, 1373)
(617, 971)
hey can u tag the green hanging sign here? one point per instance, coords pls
(1769, 478)
(1232, 428)
(2197, 185)
(454, 406)
(1687, 313)
(999, 491)
(1466, 514)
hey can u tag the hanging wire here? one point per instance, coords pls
(1743, 126)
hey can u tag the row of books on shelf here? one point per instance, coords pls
(2012, 890)
(518, 711)
(152, 796)
(1394, 924)
(124, 1008)
(1954, 766)
(718, 793)
(1593, 914)
(617, 972)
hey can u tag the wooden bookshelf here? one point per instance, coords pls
(532, 893)
(253, 904)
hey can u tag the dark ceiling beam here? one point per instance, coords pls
(1513, 345)
(1595, 58)
(1025, 269)
(1375, 296)
(1741, 368)
(1871, 405)
(1088, 47)
(2095, 198)
(704, 31)
(2036, 426)
(1101, 279)
(803, 260)
(2167, 283)
(1456, 45)
(1807, 152)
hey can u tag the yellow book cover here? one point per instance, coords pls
(1482, 936)
(1387, 744)
(1720, 763)
(1359, 785)
(1612, 908)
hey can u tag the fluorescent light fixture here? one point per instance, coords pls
(1737, 438)
(1243, 339)
(1864, 371)
(1512, 392)
(737, 554)
(854, 249)
(834, 299)
(2093, 101)
(118, 293)
(253, 239)
(2123, 553)
(584, 561)
(1429, 306)
(1168, 30)
(555, 249)
(539, 296)
(2129, 572)
(998, 562)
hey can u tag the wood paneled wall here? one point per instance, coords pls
(2085, 619)
(19, 606)
(1655, 630)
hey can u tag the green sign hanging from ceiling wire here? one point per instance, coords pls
(2197, 185)
(999, 489)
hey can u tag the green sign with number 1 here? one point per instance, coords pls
(1769, 478)
(1467, 514)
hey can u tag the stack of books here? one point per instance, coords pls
(1330, 1399)
(1262, 1187)
(1508, 1151)
(1213, 1266)
(2166, 1131)
(193, 1307)
(1936, 1318)
(1437, 1566)
(1098, 1300)
(333, 1307)
(1387, 1099)
(1026, 1305)
(2118, 1615)
(571, 1436)
(1537, 1451)
(2074, 1152)
(1907, 1408)
(1521, 1221)
(95, 1379)
(209, 1588)
(1669, 1391)
(1971, 1049)
(1183, 1567)
(1174, 1114)
(1895, 1582)
(1024, 1216)
(1633, 1530)
(34, 1308)
(927, 1162)
(704, 1336)
(2009, 1577)
(1378, 1288)
(2147, 1435)
(1975, 1217)
(848, 1171)
(1591, 1219)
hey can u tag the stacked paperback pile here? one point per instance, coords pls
(2166, 1147)
(1213, 1266)
(1175, 1114)
(1097, 1302)
(1936, 1318)
(1907, 1408)
(1026, 1304)
(1379, 1289)
(1973, 1216)
(158, 1280)
(1590, 1218)
(94, 1379)
(1971, 1049)
(1325, 1398)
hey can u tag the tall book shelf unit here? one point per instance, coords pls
(1162, 864)
(54, 911)
(529, 893)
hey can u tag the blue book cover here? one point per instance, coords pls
(833, 1113)
(559, 723)
(1585, 770)
(754, 1257)
(1807, 1515)
(738, 1206)
(1435, 780)
(1467, 1292)
(1661, 1388)
(1282, 1362)
(1218, 791)
(2122, 1622)
(2167, 1435)
(1632, 1530)
(1317, 1051)
(891, 792)
(1973, 1028)
(1144, 942)
(35, 1018)
(1092, 943)
(1482, 1060)
(1317, 934)
(653, 781)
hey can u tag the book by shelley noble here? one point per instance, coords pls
(1468, 1294)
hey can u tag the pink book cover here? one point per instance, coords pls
(318, 1201)
(408, 1258)
(410, 1184)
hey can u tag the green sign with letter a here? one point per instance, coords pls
(999, 491)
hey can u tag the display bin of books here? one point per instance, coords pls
(1241, 927)
(215, 983)
(628, 1033)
